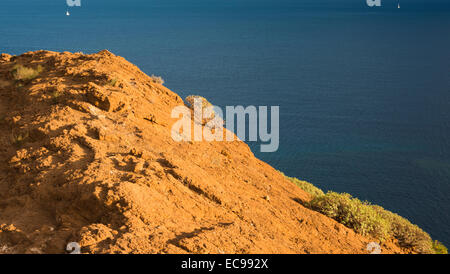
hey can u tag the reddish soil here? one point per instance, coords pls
(85, 161)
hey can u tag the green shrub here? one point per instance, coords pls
(439, 248)
(22, 73)
(351, 212)
(369, 220)
(408, 235)
(307, 187)
(374, 221)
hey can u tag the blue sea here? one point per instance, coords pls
(364, 93)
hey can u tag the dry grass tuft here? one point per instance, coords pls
(25, 74)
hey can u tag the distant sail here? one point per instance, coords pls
(67, 13)
(398, 4)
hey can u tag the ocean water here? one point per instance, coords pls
(364, 93)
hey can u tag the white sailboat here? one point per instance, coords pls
(398, 5)
(67, 13)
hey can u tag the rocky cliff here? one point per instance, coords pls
(86, 156)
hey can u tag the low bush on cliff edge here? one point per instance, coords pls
(353, 213)
(439, 248)
(191, 99)
(374, 221)
(157, 79)
(408, 235)
(369, 220)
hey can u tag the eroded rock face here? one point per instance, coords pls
(107, 100)
(5, 57)
(90, 160)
